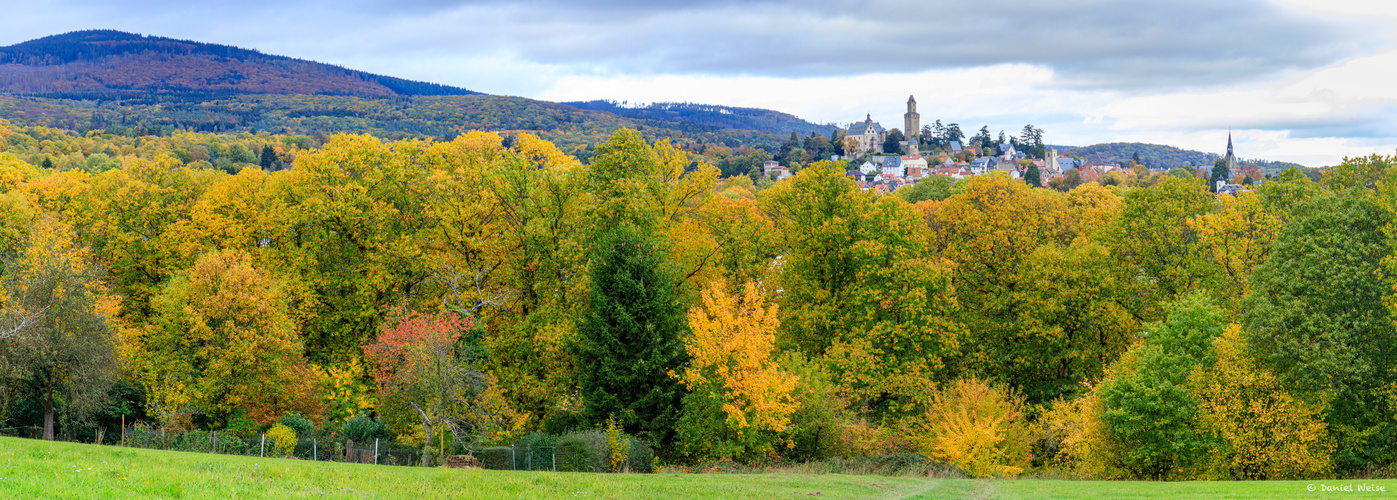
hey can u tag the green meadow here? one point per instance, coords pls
(38, 469)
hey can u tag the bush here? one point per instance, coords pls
(590, 451)
(361, 429)
(584, 451)
(285, 439)
(979, 428)
(299, 423)
(241, 425)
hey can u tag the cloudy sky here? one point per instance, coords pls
(1309, 81)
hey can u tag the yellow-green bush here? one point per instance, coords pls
(978, 427)
(285, 439)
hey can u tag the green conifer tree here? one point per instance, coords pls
(630, 340)
(1032, 177)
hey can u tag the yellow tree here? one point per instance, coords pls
(1236, 238)
(857, 288)
(221, 339)
(349, 239)
(1264, 432)
(739, 399)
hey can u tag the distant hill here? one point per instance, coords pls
(764, 120)
(107, 64)
(111, 80)
(1160, 156)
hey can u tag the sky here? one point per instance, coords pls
(1307, 81)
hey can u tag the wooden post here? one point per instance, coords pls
(213, 442)
(123, 429)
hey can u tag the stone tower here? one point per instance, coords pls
(1231, 159)
(912, 121)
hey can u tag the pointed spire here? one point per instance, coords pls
(1229, 142)
(911, 99)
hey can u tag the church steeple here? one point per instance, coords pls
(1229, 143)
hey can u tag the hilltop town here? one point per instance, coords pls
(883, 160)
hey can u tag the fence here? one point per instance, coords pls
(519, 456)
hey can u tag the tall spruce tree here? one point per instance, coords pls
(268, 159)
(631, 339)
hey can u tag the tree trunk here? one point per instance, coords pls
(48, 416)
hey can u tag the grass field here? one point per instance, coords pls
(37, 469)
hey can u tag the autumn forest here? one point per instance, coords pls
(477, 291)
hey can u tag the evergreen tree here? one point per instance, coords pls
(630, 340)
(268, 157)
(1220, 173)
(1032, 176)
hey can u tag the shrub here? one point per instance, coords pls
(585, 451)
(980, 428)
(361, 428)
(591, 451)
(299, 423)
(241, 425)
(285, 439)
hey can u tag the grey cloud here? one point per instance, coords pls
(1089, 43)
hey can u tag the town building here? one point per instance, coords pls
(866, 136)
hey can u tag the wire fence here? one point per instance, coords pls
(518, 456)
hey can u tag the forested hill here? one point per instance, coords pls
(1160, 156)
(132, 84)
(107, 64)
(764, 120)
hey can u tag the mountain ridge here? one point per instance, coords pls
(111, 64)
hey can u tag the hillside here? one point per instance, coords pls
(1160, 156)
(764, 120)
(134, 84)
(106, 64)
(400, 117)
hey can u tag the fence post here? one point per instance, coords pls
(263, 451)
(375, 451)
(123, 429)
(213, 442)
(513, 458)
(314, 449)
(555, 459)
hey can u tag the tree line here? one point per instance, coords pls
(483, 291)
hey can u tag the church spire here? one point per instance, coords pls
(1229, 142)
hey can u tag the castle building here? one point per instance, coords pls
(912, 124)
(867, 135)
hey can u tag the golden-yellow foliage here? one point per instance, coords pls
(284, 439)
(1264, 432)
(730, 360)
(978, 427)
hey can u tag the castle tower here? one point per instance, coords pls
(912, 121)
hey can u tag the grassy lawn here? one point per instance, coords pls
(37, 469)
